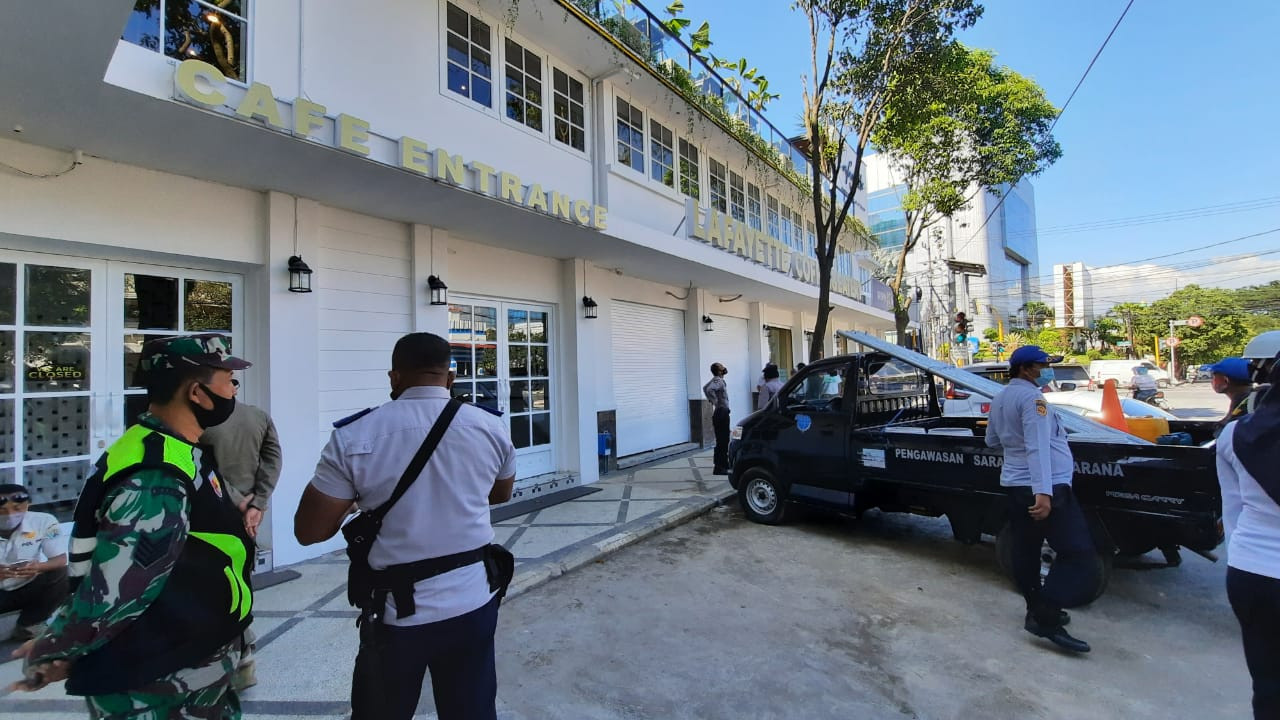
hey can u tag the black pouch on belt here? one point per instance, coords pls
(499, 567)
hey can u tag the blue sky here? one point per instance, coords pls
(1179, 113)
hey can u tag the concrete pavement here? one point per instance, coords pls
(306, 630)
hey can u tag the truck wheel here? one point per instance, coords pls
(763, 501)
(1102, 568)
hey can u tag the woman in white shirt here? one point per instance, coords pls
(1249, 472)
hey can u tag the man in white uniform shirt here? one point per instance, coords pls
(33, 562)
(450, 625)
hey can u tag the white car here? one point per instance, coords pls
(1089, 404)
(1122, 371)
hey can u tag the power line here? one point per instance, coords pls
(1167, 216)
(1062, 111)
(1050, 277)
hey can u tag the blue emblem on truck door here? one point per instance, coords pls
(804, 422)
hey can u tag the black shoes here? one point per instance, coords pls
(1058, 635)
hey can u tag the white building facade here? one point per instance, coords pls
(986, 268)
(160, 163)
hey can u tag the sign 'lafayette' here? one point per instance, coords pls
(737, 237)
(203, 84)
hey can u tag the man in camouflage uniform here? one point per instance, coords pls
(152, 629)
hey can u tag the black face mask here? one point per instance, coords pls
(218, 414)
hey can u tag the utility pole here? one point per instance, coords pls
(1128, 323)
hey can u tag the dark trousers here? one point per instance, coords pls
(37, 599)
(720, 423)
(1067, 531)
(1256, 602)
(459, 654)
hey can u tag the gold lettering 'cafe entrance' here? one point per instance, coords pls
(71, 330)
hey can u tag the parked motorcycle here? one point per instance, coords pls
(1152, 397)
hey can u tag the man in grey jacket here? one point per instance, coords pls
(246, 449)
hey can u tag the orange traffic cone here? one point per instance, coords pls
(1112, 413)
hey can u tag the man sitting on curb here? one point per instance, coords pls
(33, 562)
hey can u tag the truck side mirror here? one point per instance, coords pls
(1066, 386)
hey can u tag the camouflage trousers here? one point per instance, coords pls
(202, 693)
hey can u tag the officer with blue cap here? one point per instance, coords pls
(1231, 377)
(1037, 474)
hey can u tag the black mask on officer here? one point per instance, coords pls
(218, 414)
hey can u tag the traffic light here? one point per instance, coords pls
(961, 328)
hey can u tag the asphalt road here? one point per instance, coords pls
(886, 617)
(1196, 401)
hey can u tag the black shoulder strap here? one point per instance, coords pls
(420, 459)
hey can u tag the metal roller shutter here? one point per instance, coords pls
(649, 381)
(729, 348)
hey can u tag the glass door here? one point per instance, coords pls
(51, 404)
(502, 357)
(150, 302)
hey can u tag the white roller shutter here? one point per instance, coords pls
(649, 384)
(729, 348)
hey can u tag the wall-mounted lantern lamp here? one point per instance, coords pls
(707, 323)
(590, 306)
(299, 275)
(439, 291)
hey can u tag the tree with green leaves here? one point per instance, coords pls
(1037, 314)
(965, 126)
(863, 54)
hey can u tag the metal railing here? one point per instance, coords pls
(635, 26)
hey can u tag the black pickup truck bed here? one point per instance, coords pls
(882, 443)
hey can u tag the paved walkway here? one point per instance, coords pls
(306, 631)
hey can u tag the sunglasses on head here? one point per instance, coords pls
(15, 499)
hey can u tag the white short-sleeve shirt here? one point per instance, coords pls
(445, 511)
(37, 539)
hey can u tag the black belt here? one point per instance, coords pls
(398, 580)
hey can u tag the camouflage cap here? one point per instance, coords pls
(171, 353)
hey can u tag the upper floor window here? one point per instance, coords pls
(662, 147)
(689, 169)
(469, 56)
(630, 136)
(811, 234)
(771, 216)
(786, 237)
(737, 197)
(524, 85)
(753, 207)
(569, 101)
(717, 185)
(215, 32)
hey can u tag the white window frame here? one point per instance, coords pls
(717, 199)
(687, 158)
(737, 197)
(526, 51)
(755, 218)
(771, 222)
(618, 102)
(662, 138)
(811, 234)
(784, 227)
(571, 77)
(244, 18)
(495, 60)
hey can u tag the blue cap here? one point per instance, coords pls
(1235, 369)
(1032, 354)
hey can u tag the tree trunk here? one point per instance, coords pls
(818, 344)
(901, 319)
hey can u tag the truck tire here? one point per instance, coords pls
(1102, 568)
(763, 499)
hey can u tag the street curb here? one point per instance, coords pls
(537, 573)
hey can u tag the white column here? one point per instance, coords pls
(292, 361)
(575, 348)
(430, 253)
(697, 350)
(799, 348)
(757, 348)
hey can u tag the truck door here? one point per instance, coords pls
(812, 425)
